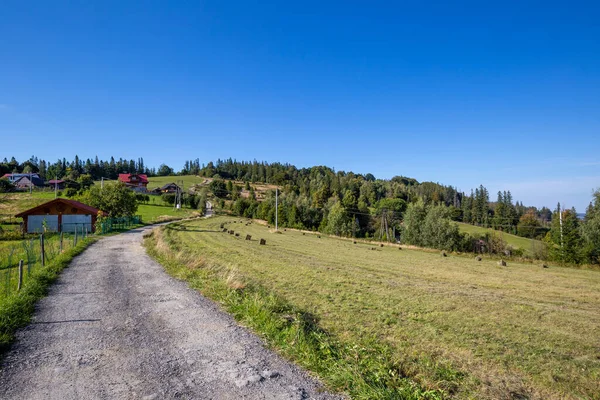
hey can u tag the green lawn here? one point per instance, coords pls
(156, 213)
(471, 329)
(518, 242)
(188, 181)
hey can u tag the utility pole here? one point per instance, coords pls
(561, 225)
(30, 183)
(102, 183)
(55, 185)
(276, 210)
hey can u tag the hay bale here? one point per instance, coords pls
(248, 237)
(231, 232)
(222, 226)
(354, 242)
(263, 242)
(380, 244)
(544, 266)
(224, 230)
(285, 230)
(399, 248)
(237, 235)
(444, 254)
(303, 233)
(478, 258)
(319, 236)
(269, 226)
(502, 263)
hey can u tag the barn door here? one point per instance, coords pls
(35, 223)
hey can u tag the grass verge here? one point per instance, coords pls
(365, 370)
(16, 310)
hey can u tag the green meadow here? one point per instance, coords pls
(452, 327)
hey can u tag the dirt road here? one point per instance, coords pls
(116, 326)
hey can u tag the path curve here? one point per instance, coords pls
(116, 326)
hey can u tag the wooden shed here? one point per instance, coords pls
(59, 215)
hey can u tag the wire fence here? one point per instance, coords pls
(115, 224)
(19, 259)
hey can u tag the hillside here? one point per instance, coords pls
(517, 242)
(470, 329)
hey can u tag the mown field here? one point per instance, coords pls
(458, 327)
(518, 242)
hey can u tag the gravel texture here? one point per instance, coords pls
(116, 326)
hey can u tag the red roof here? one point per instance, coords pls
(72, 203)
(126, 178)
(53, 181)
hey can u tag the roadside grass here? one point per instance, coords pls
(452, 326)
(11, 251)
(513, 240)
(365, 369)
(16, 309)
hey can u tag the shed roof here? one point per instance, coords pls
(169, 185)
(72, 203)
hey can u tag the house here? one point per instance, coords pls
(59, 215)
(24, 181)
(137, 182)
(56, 183)
(170, 188)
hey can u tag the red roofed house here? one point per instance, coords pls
(60, 215)
(56, 183)
(138, 182)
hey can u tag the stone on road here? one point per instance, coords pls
(116, 326)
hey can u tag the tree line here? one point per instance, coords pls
(360, 205)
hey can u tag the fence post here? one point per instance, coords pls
(75, 237)
(61, 242)
(20, 275)
(43, 250)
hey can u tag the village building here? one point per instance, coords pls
(170, 188)
(56, 183)
(59, 215)
(25, 181)
(137, 182)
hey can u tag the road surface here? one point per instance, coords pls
(116, 326)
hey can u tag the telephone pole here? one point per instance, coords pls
(276, 210)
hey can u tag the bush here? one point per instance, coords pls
(116, 199)
(71, 192)
(168, 198)
(6, 186)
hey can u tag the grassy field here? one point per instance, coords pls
(152, 213)
(464, 328)
(515, 241)
(188, 181)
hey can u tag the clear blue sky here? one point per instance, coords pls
(504, 94)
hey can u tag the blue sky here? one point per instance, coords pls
(502, 94)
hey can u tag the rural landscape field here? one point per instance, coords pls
(299, 200)
(466, 328)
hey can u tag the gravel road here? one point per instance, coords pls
(116, 326)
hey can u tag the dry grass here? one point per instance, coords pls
(473, 329)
